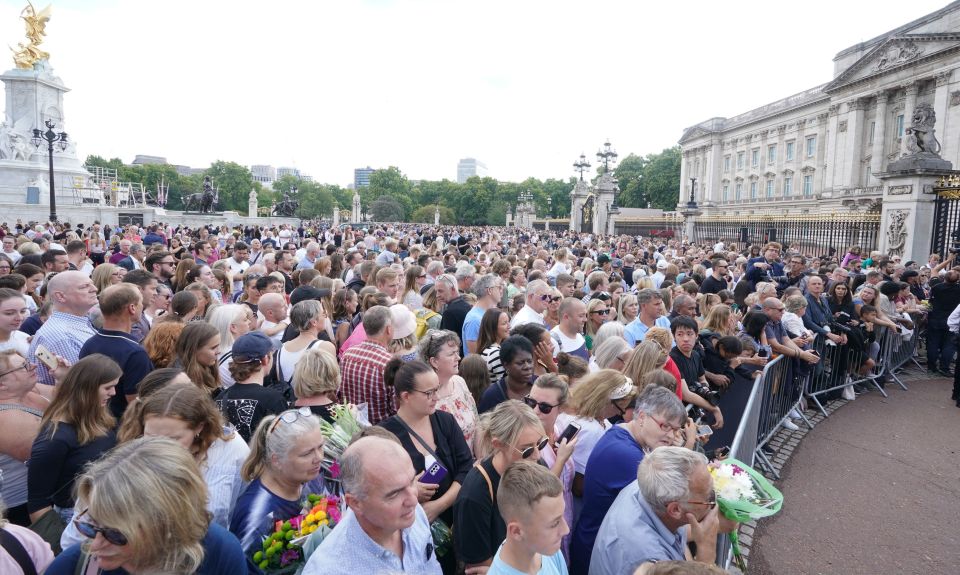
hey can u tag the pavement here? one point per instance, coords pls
(872, 489)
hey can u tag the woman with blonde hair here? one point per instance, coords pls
(510, 432)
(611, 329)
(144, 511)
(316, 380)
(706, 302)
(197, 352)
(552, 316)
(77, 427)
(106, 275)
(720, 320)
(597, 398)
(612, 353)
(598, 313)
(204, 297)
(232, 320)
(286, 453)
(627, 308)
(404, 342)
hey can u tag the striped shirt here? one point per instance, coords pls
(492, 356)
(63, 334)
(362, 369)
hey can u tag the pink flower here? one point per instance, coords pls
(335, 470)
(289, 556)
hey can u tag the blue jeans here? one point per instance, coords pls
(941, 345)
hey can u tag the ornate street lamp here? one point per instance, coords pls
(50, 137)
(582, 165)
(606, 155)
(692, 204)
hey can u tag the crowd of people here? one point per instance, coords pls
(545, 396)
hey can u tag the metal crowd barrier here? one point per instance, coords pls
(903, 353)
(782, 392)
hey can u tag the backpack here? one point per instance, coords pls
(423, 316)
(274, 380)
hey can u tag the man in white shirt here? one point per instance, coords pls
(273, 307)
(659, 276)
(538, 294)
(567, 334)
(239, 264)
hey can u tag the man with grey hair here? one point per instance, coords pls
(684, 304)
(488, 289)
(362, 366)
(457, 308)
(310, 256)
(434, 271)
(658, 418)
(538, 296)
(650, 315)
(384, 529)
(646, 521)
(134, 261)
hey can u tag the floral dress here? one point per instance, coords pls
(460, 404)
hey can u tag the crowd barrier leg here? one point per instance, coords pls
(782, 385)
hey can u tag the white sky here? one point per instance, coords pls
(523, 86)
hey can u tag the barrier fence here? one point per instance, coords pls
(783, 383)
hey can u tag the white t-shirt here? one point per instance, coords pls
(237, 270)
(18, 341)
(590, 433)
(567, 345)
(276, 338)
(526, 315)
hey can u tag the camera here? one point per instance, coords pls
(712, 397)
(841, 323)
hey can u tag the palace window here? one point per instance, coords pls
(726, 163)
(873, 129)
(787, 186)
(900, 126)
(771, 154)
(726, 192)
(811, 146)
(739, 191)
(769, 188)
(755, 157)
(740, 160)
(789, 153)
(753, 190)
(808, 185)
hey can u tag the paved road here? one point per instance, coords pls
(874, 489)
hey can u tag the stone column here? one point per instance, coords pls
(941, 99)
(252, 204)
(336, 217)
(851, 127)
(436, 217)
(878, 150)
(830, 177)
(909, 104)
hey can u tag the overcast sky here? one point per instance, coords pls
(328, 86)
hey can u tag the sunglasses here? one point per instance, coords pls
(89, 530)
(528, 451)
(601, 311)
(290, 416)
(544, 407)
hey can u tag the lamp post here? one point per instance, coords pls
(606, 155)
(50, 137)
(581, 165)
(692, 204)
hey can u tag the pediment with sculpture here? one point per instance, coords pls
(894, 54)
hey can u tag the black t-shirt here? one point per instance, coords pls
(245, 404)
(324, 412)
(55, 461)
(691, 368)
(712, 285)
(479, 530)
(454, 315)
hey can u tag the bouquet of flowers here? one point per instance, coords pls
(742, 495)
(348, 420)
(282, 551)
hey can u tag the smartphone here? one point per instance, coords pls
(434, 474)
(572, 430)
(48, 359)
(704, 431)
(735, 308)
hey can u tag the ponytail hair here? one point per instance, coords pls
(505, 424)
(401, 376)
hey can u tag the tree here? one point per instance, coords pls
(233, 183)
(629, 175)
(424, 215)
(386, 209)
(661, 178)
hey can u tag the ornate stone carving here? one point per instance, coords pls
(927, 189)
(955, 98)
(900, 190)
(921, 138)
(898, 52)
(897, 232)
(833, 109)
(943, 78)
(842, 127)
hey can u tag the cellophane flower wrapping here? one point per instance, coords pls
(743, 494)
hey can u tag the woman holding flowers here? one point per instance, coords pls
(286, 452)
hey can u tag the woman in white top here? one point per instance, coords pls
(560, 264)
(232, 320)
(13, 310)
(414, 279)
(440, 349)
(310, 319)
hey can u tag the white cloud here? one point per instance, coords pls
(523, 86)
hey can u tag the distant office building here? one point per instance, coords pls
(264, 174)
(143, 159)
(285, 171)
(361, 177)
(469, 167)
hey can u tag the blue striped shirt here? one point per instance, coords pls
(63, 334)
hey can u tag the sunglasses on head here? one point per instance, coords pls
(89, 530)
(290, 416)
(544, 407)
(526, 452)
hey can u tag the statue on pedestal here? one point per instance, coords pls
(202, 202)
(26, 56)
(920, 134)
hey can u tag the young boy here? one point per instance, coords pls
(530, 500)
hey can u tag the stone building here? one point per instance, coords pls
(822, 151)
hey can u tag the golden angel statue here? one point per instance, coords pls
(36, 24)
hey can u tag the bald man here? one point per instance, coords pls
(64, 333)
(273, 307)
(384, 529)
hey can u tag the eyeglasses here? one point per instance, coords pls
(601, 311)
(544, 407)
(664, 426)
(528, 451)
(711, 503)
(290, 416)
(90, 531)
(430, 393)
(29, 367)
(168, 263)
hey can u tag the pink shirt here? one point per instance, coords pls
(38, 550)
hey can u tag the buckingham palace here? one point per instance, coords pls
(822, 151)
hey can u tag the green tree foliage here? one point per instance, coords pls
(424, 215)
(629, 174)
(233, 182)
(386, 209)
(661, 178)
